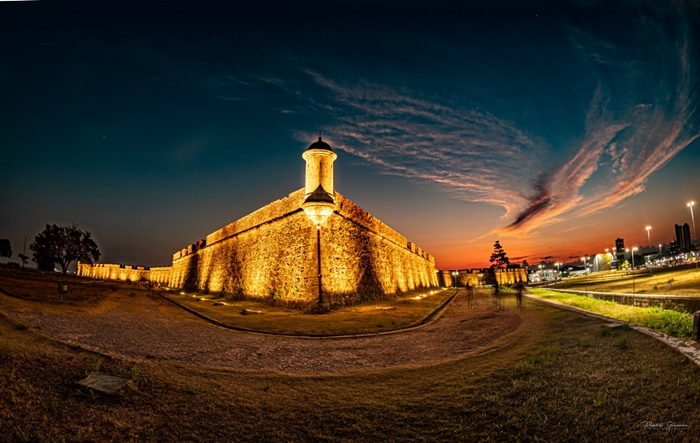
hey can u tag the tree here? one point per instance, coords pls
(5, 248)
(499, 258)
(63, 245)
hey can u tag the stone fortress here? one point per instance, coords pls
(313, 246)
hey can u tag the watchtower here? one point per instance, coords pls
(319, 200)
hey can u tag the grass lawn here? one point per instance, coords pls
(561, 378)
(677, 324)
(558, 377)
(368, 317)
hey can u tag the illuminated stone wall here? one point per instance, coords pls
(120, 272)
(509, 277)
(273, 252)
(478, 277)
(364, 258)
(264, 253)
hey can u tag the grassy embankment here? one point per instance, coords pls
(683, 280)
(677, 324)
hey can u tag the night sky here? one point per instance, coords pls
(553, 126)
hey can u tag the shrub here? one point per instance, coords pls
(622, 342)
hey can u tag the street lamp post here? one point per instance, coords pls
(690, 205)
(585, 271)
(648, 228)
(632, 270)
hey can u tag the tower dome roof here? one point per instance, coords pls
(320, 144)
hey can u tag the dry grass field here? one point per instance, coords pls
(559, 376)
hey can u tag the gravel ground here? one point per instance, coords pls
(148, 327)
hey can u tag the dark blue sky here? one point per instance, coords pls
(553, 126)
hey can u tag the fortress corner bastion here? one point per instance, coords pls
(314, 243)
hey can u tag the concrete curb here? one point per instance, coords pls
(428, 319)
(691, 352)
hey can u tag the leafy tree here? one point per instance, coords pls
(499, 258)
(5, 248)
(62, 245)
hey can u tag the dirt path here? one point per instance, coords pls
(148, 327)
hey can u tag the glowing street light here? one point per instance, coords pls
(690, 204)
(632, 270)
(632, 250)
(648, 228)
(585, 270)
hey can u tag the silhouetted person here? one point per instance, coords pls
(519, 286)
(497, 298)
(470, 295)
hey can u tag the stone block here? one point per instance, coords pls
(696, 326)
(102, 382)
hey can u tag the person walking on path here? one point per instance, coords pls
(470, 295)
(519, 286)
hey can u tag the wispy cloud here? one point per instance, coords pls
(639, 138)
(634, 125)
(474, 154)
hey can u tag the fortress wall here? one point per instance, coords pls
(363, 258)
(350, 210)
(273, 210)
(477, 277)
(511, 276)
(274, 258)
(160, 275)
(114, 272)
(273, 251)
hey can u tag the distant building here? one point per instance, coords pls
(619, 257)
(683, 237)
(620, 244)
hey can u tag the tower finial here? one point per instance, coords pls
(319, 135)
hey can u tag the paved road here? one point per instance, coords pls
(148, 327)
